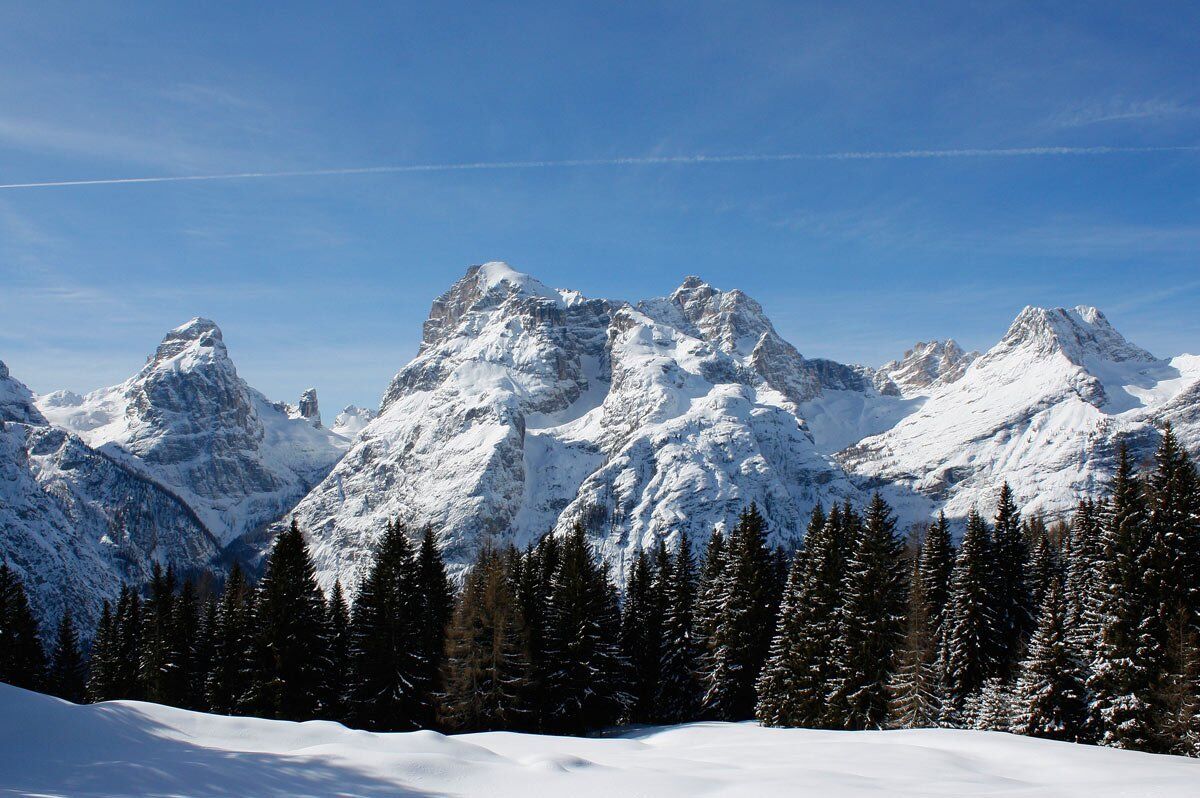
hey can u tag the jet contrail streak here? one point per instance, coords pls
(652, 160)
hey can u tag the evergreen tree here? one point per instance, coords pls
(334, 705)
(1050, 698)
(204, 651)
(871, 621)
(1123, 675)
(487, 672)
(534, 582)
(709, 592)
(586, 669)
(290, 617)
(678, 690)
(1043, 568)
(231, 669)
(745, 623)
(159, 663)
(801, 670)
(100, 674)
(991, 708)
(436, 606)
(22, 660)
(1009, 591)
(182, 638)
(935, 564)
(1174, 521)
(126, 659)
(390, 690)
(641, 642)
(915, 690)
(968, 644)
(67, 676)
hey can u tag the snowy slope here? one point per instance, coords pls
(16, 400)
(74, 524)
(51, 748)
(190, 423)
(1045, 409)
(352, 420)
(528, 409)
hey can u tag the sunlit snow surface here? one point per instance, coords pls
(51, 748)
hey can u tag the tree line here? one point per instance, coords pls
(1087, 631)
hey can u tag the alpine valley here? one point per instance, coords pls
(529, 409)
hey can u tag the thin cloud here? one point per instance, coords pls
(664, 160)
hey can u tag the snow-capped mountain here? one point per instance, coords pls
(1044, 409)
(188, 422)
(74, 523)
(351, 420)
(528, 409)
(924, 368)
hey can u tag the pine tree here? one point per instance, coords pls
(290, 617)
(534, 583)
(1043, 568)
(586, 669)
(801, 668)
(709, 591)
(641, 640)
(871, 621)
(1009, 591)
(67, 675)
(1123, 675)
(745, 623)
(204, 651)
(436, 606)
(968, 642)
(232, 669)
(390, 691)
(991, 708)
(22, 660)
(126, 659)
(1050, 698)
(915, 690)
(935, 564)
(100, 674)
(182, 638)
(1174, 522)
(678, 690)
(334, 690)
(487, 672)
(158, 664)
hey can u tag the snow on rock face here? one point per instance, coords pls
(1044, 409)
(923, 368)
(351, 420)
(74, 524)
(190, 423)
(122, 749)
(16, 400)
(528, 409)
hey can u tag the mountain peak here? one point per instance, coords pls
(1078, 333)
(16, 400)
(199, 333)
(484, 285)
(925, 365)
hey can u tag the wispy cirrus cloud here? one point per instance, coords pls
(1122, 110)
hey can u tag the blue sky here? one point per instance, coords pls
(325, 280)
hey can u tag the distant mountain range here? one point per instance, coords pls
(528, 409)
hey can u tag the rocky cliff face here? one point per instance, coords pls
(528, 410)
(74, 524)
(924, 368)
(16, 401)
(188, 422)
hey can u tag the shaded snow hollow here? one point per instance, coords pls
(51, 748)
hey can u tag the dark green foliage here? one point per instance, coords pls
(390, 688)
(641, 639)
(436, 601)
(678, 690)
(935, 564)
(1050, 697)
(334, 693)
(67, 674)
(1123, 677)
(22, 661)
(100, 672)
(745, 624)
(871, 621)
(1009, 593)
(801, 669)
(586, 672)
(231, 671)
(970, 628)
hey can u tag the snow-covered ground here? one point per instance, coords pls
(51, 748)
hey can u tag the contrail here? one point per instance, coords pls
(652, 160)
